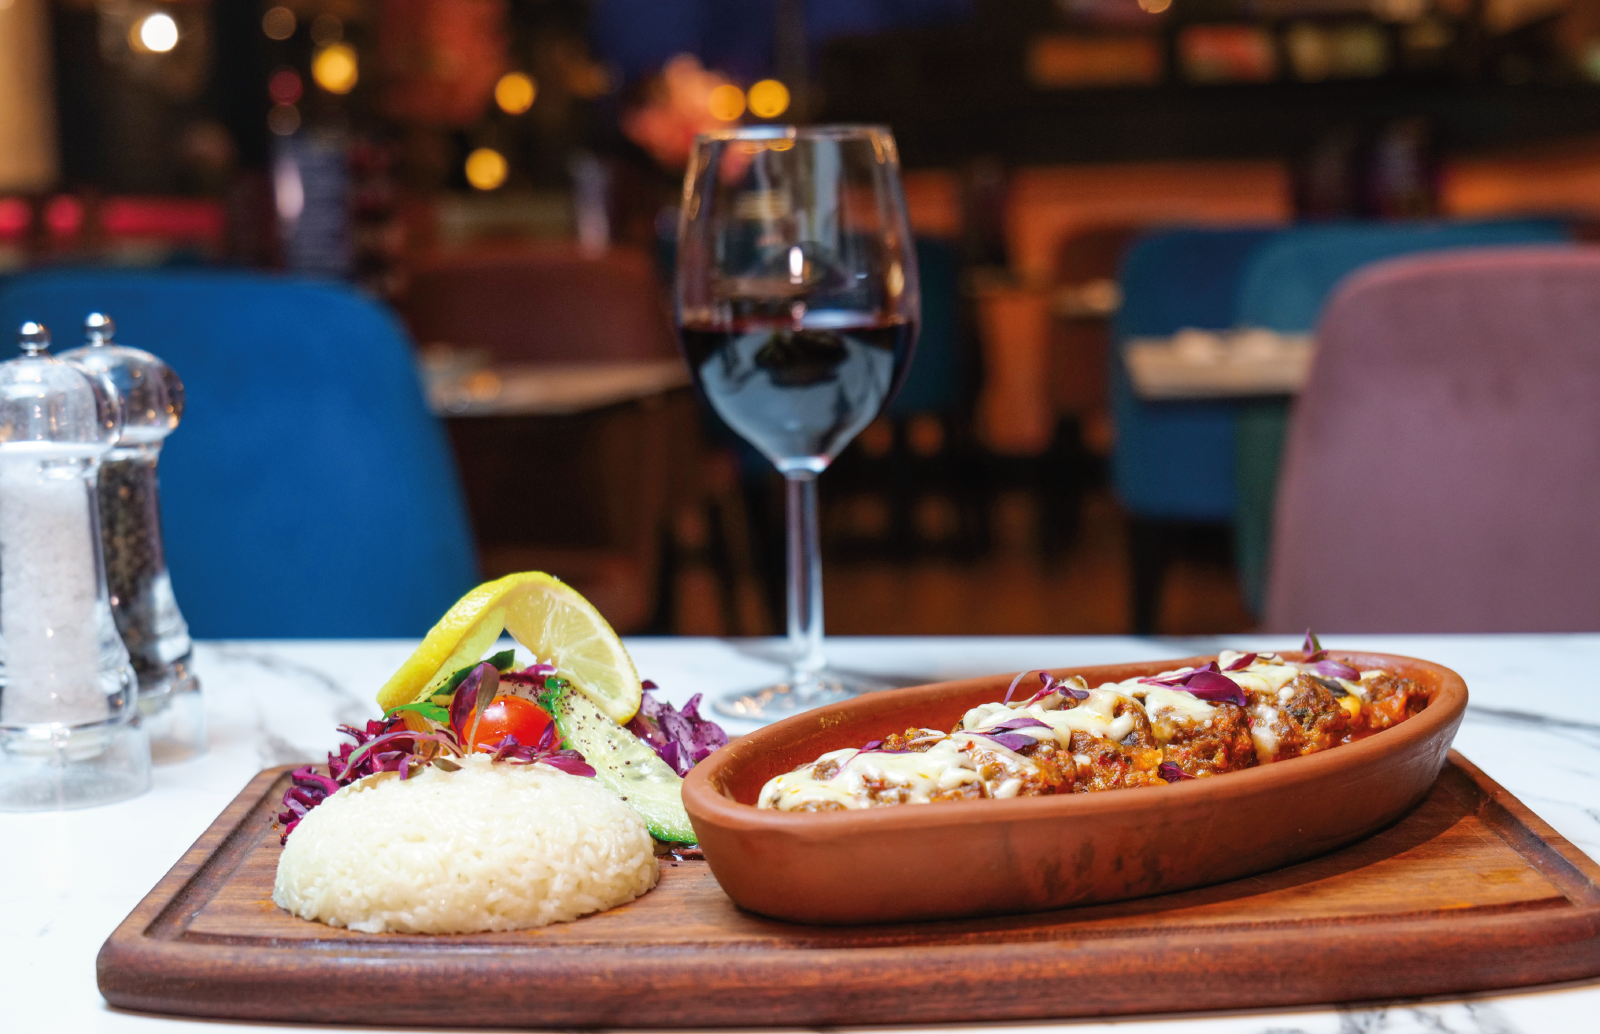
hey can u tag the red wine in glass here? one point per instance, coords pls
(797, 308)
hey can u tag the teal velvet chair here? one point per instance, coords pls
(308, 492)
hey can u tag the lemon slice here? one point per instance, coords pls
(544, 614)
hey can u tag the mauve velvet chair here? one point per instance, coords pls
(1442, 472)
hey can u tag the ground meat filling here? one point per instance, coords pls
(1391, 700)
(1130, 762)
(1067, 738)
(1312, 719)
(1221, 744)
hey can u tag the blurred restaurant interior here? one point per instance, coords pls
(1137, 222)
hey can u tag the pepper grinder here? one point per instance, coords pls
(69, 729)
(142, 601)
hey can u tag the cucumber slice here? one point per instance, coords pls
(623, 763)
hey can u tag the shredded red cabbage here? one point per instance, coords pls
(547, 751)
(683, 738)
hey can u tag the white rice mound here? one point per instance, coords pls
(488, 847)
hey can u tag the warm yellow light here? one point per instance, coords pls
(278, 23)
(156, 33)
(335, 68)
(486, 168)
(1154, 6)
(726, 102)
(515, 93)
(770, 98)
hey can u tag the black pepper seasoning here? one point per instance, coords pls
(146, 612)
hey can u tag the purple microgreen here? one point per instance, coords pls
(446, 764)
(1009, 740)
(1313, 648)
(369, 750)
(1338, 691)
(1013, 687)
(871, 745)
(473, 697)
(645, 684)
(1215, 688)
(1241, 662)
(1022, 722)
(568, 761)
(1182, 678)
(1051, 686)
(1171, 772)
(1333, 669)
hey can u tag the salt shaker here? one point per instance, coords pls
(70, 734)
(142, 601)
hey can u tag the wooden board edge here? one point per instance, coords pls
(133, 935)
(1192, 972)
(673, 987)
(1558, 859)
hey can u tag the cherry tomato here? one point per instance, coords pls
(510, 716)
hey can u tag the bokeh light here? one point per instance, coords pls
(726, 102)
(335, 68)
(486, 168)
(769, 98)
(279, 23)
(283, 119)
(285, 86)
(515, 93)
(156, 33)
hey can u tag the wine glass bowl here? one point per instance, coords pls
(797, 309)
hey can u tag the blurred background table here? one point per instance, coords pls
(72, 877)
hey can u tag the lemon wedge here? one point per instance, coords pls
(546, 616)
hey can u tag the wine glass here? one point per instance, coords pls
(797, 308)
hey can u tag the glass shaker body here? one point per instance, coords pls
(142, 601)
(69, 729)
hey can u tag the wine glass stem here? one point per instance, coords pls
(805, 579)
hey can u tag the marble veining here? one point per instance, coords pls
(71, 877)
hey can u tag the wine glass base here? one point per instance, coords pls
(770, 703)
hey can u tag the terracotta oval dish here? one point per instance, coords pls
(991, 857)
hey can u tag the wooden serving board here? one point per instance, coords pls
(1470, 892)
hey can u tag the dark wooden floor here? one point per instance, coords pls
(1014, 589)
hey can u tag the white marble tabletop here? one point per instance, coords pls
(69, 878)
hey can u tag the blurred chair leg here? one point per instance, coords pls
(1258, 450)
(664, 617)
(1150, 546)
(720, 555)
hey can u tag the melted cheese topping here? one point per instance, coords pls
(953, 765)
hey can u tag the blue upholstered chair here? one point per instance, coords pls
(1173, 461)
(1283, 288)
(308, 491)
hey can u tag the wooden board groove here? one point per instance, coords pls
(1469, 892)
